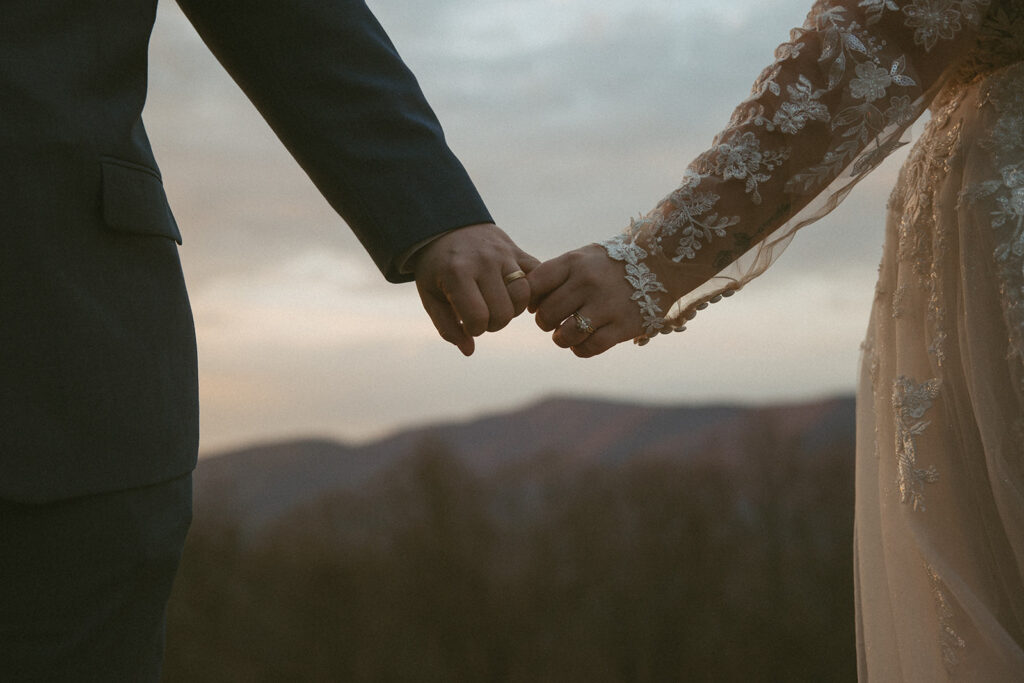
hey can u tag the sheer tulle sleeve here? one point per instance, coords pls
(831, 107)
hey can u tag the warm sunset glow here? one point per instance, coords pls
(571, 117)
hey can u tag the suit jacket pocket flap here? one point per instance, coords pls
(134, 201)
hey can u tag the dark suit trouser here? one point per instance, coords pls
(84, 583)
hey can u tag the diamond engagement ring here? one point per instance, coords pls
(513, 276)
(583, 323)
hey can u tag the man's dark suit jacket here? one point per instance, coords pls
(98, 388)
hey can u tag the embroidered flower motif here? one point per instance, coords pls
(864, 129)
(951, 642)
(1013, 175)
(871, 82)
(901, 110)
(1009, 130)
(911, 401)
(644, 281)
(640, 277)
(788, 51)
(932, 19)
(897, 301)
(740, 157)
(696, 232)
(896, 72)
(972, 10)
(1010, 208)
(875, 9)
(1006, 95)
(803, 106)
(766, 83)
(689, 214)
(845, 44)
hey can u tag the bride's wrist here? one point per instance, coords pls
(645, 285)
(659, 283)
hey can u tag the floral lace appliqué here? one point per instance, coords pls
(933, 19)
(641, 278)
(897, 301)
(1005, 193)
(740, 156)
(911, 401)
(847, 43)
(691, 217)
(802, 107)
(850, 106)
(922, 240)
(876, 8)
(950, 641)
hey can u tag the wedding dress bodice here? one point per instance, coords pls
(830, 108)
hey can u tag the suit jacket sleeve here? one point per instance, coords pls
(332, 86)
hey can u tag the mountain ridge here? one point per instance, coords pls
(257, 484)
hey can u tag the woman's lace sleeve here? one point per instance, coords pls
(828, 111)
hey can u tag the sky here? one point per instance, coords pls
(571, 116)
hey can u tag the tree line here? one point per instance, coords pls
(699, 568)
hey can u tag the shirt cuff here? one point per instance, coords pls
(406, 258)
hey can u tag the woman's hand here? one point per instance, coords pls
(589, 284)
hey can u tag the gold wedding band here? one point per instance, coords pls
(513, 276)
(583, 323)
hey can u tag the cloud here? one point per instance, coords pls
(571, 115)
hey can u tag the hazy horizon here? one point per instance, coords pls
(445, 422)
(571, 116)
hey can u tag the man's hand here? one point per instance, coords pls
(461, 280)
(585, 282)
